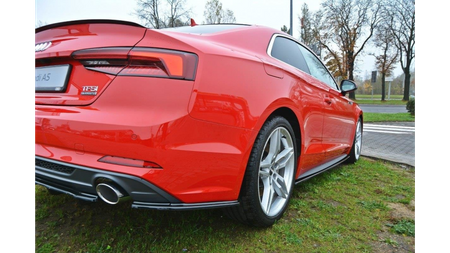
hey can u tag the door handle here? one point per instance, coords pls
(327, 100)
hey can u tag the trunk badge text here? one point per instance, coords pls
(89, 90)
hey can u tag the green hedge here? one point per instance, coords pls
(410, 106)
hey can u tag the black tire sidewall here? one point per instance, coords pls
(252, 175)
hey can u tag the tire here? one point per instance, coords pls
(269, 178)
(355, 153)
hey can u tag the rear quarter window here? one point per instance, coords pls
(288, 51)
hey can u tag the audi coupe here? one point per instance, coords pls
(205, 116)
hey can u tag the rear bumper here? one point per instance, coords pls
(146, 119)
(80, 182)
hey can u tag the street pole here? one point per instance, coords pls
(290, 29)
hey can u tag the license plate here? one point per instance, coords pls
(52, 78)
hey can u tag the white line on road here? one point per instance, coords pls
(389, 129)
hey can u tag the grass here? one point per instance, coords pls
(388, 117)
(378, 96)
(343, 210)
(379, 102)
(376, 99)
(385, 117)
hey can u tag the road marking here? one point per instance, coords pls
(389, 129)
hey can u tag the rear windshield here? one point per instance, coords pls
(204, 29)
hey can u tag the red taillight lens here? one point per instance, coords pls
(139, 61)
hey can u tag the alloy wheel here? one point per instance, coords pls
(276, 171)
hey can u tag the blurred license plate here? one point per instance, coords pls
(52, 78)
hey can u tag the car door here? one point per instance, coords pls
(338, 121)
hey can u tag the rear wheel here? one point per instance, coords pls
(269, 179)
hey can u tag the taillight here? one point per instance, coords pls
(139, 61)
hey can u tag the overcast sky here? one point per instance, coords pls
(271, 13)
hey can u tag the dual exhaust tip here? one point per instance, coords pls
(111, 193)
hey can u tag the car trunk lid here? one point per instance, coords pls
(62, 80)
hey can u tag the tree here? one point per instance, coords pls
(306, 30)
(389, 53)
(403, 25)
(367, 87)
(214, 13)
(285, 29)
(334, 63)
(228, 17)
(345, 28)
(149, 11)
(40, 23)
(177, 13)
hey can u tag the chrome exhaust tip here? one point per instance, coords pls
(110, 193)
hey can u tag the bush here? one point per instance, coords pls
(410, 106)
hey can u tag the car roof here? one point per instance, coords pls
(206, 29)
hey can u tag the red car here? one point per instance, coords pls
(207, 116)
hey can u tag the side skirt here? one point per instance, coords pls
(184, 206)
(321, 168)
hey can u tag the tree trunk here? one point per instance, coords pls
(406, 84)
(351, 94)
(407, 72)
(383, 86)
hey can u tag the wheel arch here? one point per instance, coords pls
(246, 212)
(291, 117)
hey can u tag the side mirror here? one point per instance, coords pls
(347, 86)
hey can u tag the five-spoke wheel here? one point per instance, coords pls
(269, 178)
(276, 170)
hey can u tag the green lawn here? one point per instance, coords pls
(376, 100)
(385, 117)
(388, 117)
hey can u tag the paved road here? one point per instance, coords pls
(384, 108)
(393, 141)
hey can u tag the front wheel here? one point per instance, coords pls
(269, 178)
(357, 144)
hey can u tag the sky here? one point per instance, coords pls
(271, 13)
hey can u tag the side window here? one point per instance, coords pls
(317, 69)
(288, 51)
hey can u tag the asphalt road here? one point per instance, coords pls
(384, 108)
(392, 141)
